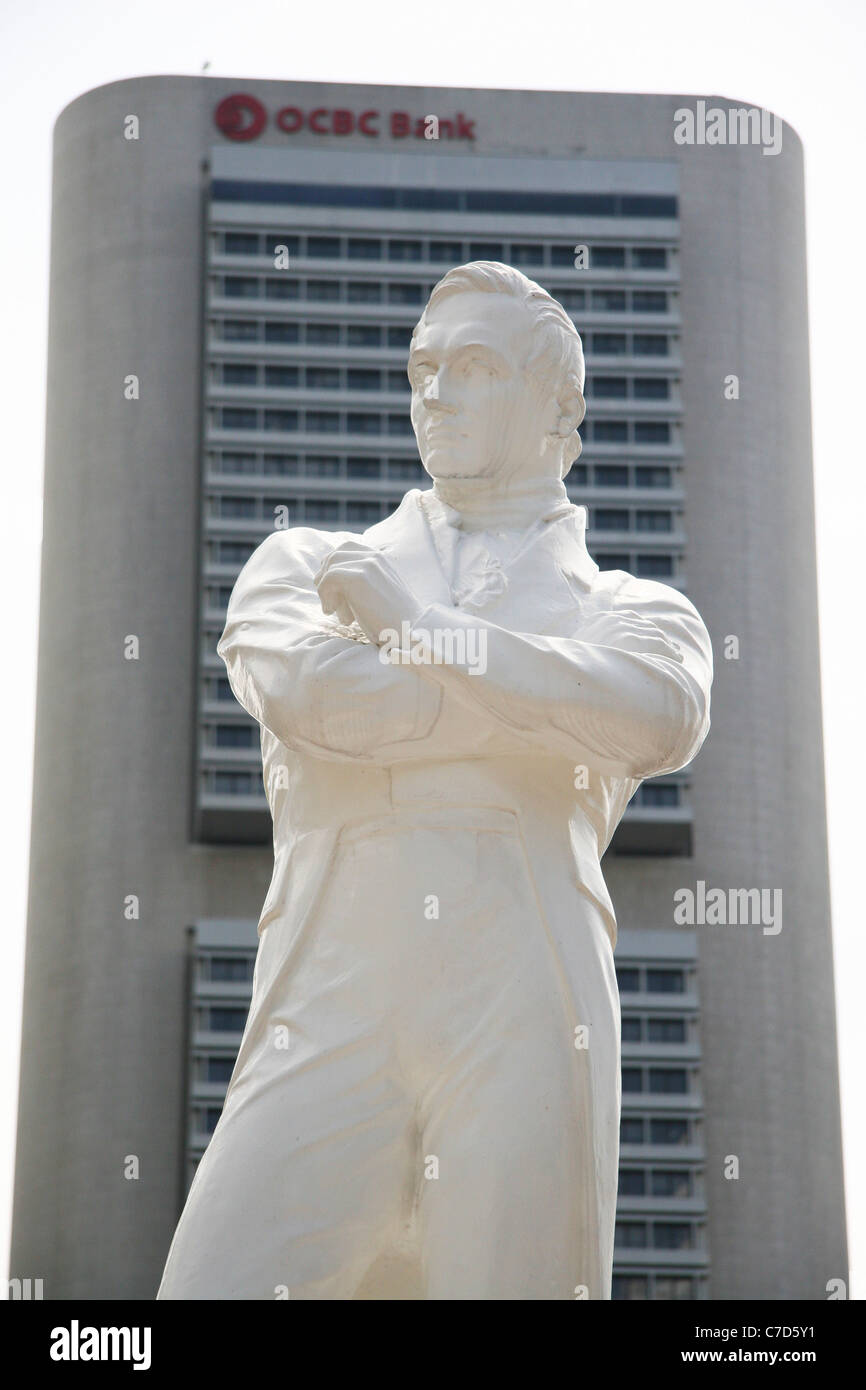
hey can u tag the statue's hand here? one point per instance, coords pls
(628, 631)
(357, 583)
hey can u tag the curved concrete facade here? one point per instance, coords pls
(104, 1036)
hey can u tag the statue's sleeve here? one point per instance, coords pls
(314, 690)
(621, 712)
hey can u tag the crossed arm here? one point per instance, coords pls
(628, 696)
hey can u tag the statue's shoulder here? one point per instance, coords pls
(298, 549)
(623, 590)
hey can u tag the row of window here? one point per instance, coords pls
(655, 1287)
(656, 1182)
(636, 979)
(641, 1129)
(334, 378)
(285, 421)
(399, 336)
(621, 519)
(656, 1235)
(410, 469)
(334, 291)
(315, 246)
(656, 1081)
(637, 1029)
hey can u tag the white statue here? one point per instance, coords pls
(455, 709)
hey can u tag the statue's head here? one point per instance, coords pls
(497, 371)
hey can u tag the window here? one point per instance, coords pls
(666, 1030)
(211, 1118)
(630, 1235)
(631, 1129)
(672, 1235)
(632, 1080)
(281, 376)
(323, 289)
(364, 249)
(649, 258)
(234, 552)
(578, 475)
(226, 968)
(660, 981)
(486, 251)
(669, 1131)
(281, 420)
(613, 387)
(275, 239)
(527, 253)
(363, 292)
(282, 289)
(223, 689)
(240, 373)
(571, 299)
(363, 379)
(610, 431)
(227, 1020)
(323, 378)
(238, 506)
(451, 251)
(233, 783)
(632, 1182)
(668, 1081)
(671, 1182)
(357, 423)
(652, 477)
(281, 463)
(323, 248)
(404, 468)
(240, 330)
(404, 251)
(652, 432)
(651, 388)
(399, 293)
(234, 417)
(325, 466)
(363, 335)
(399, 424)
(322, 509)
(611, 475)
(398, 336)
(609, 519)
(631, 1030)
(628, 979)
(674, 1286)
(562, 255)
(363, 468)
(281, 332)
(323, 334)
(630, 1286)
(663, 794)
(650, 345)
(241, 287)
(654, 521)
(234, 736)
(649, 302)
(220, 1068)
(607, 257)
(241, 244)
(363, 511)
(614, 561)
(609, 344)
(655, 566)
(322, 421)
(609, 301)
(236, 463)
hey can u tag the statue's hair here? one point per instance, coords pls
(557, 353)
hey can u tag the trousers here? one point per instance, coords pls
(417, 1114)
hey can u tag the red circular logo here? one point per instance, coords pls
(241, 117)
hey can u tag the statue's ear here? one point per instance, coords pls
(572, 408)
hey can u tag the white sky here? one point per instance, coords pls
(801, 60)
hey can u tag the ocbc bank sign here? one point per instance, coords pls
(243, 117)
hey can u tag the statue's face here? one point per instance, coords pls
(475, 411)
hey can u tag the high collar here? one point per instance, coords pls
(478, 504)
